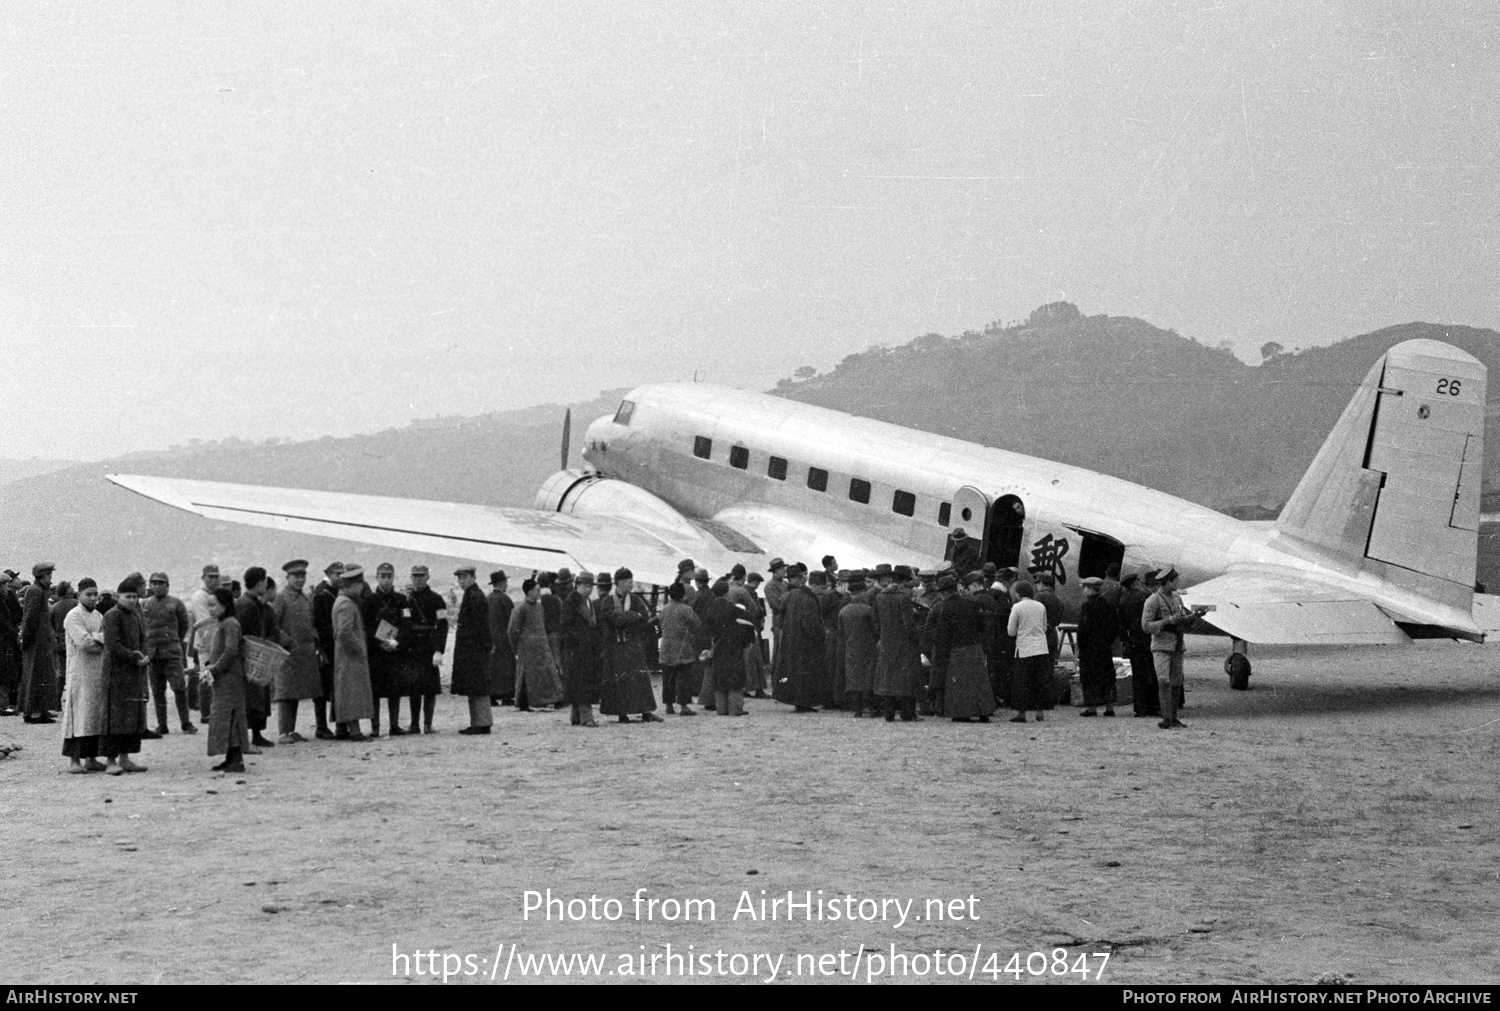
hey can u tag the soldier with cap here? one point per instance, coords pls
(1166, 617)
(323, 599)
(429, 641)
(299, 677)
(257, 619)
(582, 651)
(502, 666)
(124, 679)
(471, 652)
(352, 701)
(1098, 624)
(200, 612)
(167, 627)
(383, 613)
(627, 621)
(38, 679)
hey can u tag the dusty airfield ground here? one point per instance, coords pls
(1341, 817)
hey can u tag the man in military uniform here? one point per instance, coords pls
(383, 613)
(323, 599)
(429, 640)
(167, 626)
(300, 676)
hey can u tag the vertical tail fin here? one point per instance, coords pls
(1395, 488)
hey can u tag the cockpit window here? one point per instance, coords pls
(626, 411)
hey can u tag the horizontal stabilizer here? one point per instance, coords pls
(1487, 615)
(524, 538)
(1262, 608)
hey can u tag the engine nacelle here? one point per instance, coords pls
(584, 493)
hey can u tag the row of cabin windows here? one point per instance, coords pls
(902, 502)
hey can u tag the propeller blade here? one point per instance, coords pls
(567, 437)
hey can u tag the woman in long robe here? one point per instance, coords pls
(83, 698)
(538, 681)
(228, 727)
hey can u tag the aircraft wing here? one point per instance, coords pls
(525, 538)
(1265, 609)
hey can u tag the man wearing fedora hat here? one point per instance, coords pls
(352, 701)
(965, 553)
(471, 652)
(502, 666)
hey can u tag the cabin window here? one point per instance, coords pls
(905, 503)
(626, 411)
(945, 513)
(703, 447)
(859, 490)
(739, 457)
(817, 479)
(776, 468)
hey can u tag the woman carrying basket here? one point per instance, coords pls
(227, 727)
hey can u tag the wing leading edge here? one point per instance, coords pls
(526, 538)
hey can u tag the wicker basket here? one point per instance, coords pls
(263, 660)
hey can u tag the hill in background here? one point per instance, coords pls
(1112, 394)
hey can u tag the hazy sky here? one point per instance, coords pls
(304, 219)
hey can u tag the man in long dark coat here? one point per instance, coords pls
(860, 644)
(896, 664)
(38, 678)
(627, 622)
(471, 652)
(582, 642)
(1097, 627)
(1137, 642)
(124, 679)
(1002, 646)
(502, 669)
(958, 660)
(10, 644)
(830, 603)
(804, 676)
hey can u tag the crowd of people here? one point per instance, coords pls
(888, 642)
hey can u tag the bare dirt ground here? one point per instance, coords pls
(1341, 817)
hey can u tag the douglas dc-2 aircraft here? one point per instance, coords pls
(1376, 545)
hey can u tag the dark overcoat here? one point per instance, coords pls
(502, 668)
(897, 662)
(471, 645)
(804, 675)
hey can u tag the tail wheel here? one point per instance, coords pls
(1237, 666)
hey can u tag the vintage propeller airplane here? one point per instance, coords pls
(1376, 545)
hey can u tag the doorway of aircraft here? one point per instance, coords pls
(1097, 552)
(1003, 537)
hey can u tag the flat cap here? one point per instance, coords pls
(1131, 579)
(1093, 581)
(463, 570)
(776, 563)
(41, 568)
(755, 579)
(295, 565)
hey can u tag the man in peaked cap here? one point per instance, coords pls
(167, 626)
(429, 641)
(323, 598)
(300, 676)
